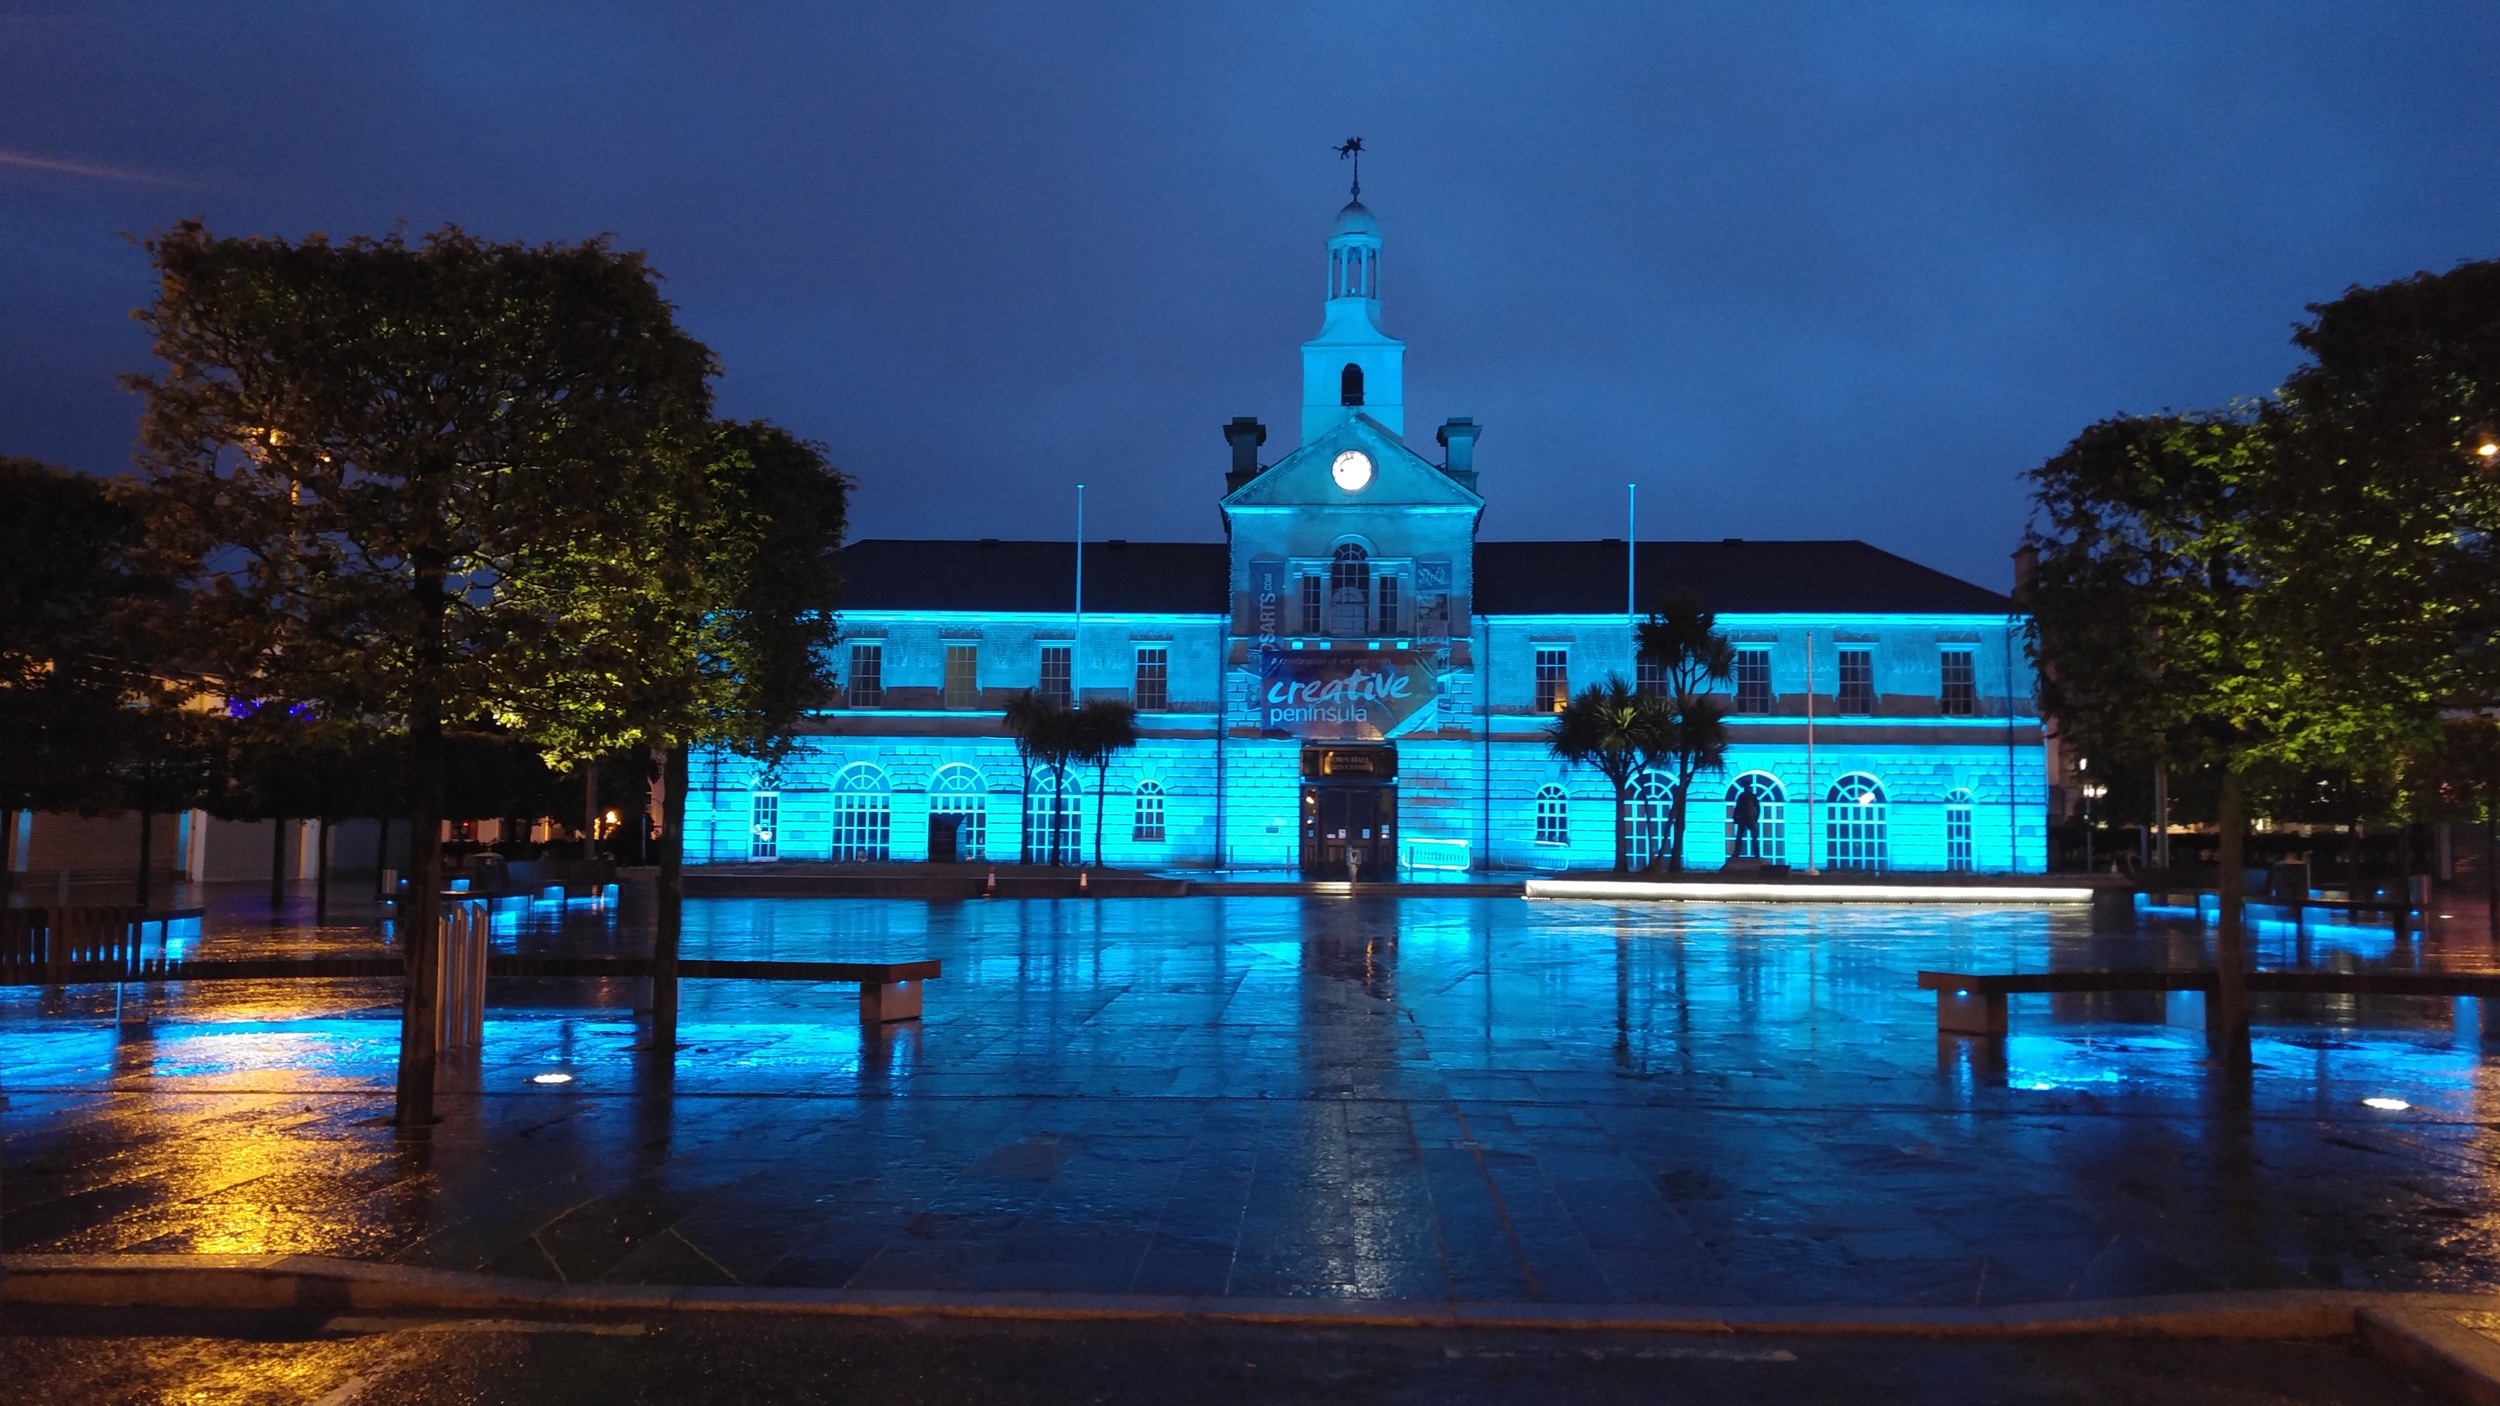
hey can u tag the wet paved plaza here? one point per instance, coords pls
(1417, 1098)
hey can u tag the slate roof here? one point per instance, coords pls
(1735, 576)
(1133, 578)
(1512, 578)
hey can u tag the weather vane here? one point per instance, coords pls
(1353, 151)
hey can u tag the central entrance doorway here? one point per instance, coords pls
(1350, 813)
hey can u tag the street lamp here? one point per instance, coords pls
(2092, 791)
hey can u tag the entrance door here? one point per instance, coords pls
(1350, 814)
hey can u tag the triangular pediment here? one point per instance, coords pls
(1401, 478)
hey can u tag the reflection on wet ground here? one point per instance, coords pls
(1407, 1098)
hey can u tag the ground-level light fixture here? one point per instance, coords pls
(2386, 1105)
(553, 1077)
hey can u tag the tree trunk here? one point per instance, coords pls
(1102, 787)
(277, 863)
(590, 810)
(321, 873)
(672, 901)
(2491, 879)
(2226, 1021)
(381, 852)
(2404, 880)
(1623, 836)
(8, 849)
(2352, 866)
(419, 917)
(147, 853)
(1675, 827)
(1024, 817)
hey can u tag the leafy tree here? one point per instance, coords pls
(1684, 645)
(395, 472)
(1104, 728)
(2146, 598)
(1609, 726)
(68, 687)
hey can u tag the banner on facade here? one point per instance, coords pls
(1344, 696)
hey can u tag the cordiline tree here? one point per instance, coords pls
(1611, 726)
(2147, 603)
(1683, 643)
(367, 455)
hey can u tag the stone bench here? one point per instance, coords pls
(1973, 1003)
(888, 991)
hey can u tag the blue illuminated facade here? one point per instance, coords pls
(1352, 679)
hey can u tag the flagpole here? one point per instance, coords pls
(1631, 559)
(1073, 642)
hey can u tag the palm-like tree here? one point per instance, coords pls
(1684, 644)
(1608, 726)
(1104, 727)
(1043, 733)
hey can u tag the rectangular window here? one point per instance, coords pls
(963, 676)
(1957, 839)
(1960, 698)
(1649, 679)
(764, 827)
(1753, 681)
(1058, 677)
(867, 688)
(1154, 679)
(1311, 597)
(1857, 681)
(1388, 624)
(1553, 680)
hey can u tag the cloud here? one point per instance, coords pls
(89, 171)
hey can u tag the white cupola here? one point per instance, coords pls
(1352, 367)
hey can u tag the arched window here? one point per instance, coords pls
(1054, 816)
(1653, 802)
(1146, 823)
(1350, 385)
(1349, 591)
(863, 816)
(1769, 841)
(1553, 816)
(1853, 822)
(958, 790)
(1960, 854)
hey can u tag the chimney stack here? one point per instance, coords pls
(1245, 435)
(1458, 439)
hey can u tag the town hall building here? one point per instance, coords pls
(1352, 682)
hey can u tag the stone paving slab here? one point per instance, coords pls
(1308, 1101)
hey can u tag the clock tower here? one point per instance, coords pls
(1352, 366)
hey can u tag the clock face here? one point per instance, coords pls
(1352, 470)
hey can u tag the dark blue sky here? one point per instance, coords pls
(1800, 272)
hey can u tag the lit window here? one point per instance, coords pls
(1857, 681)
(863, 817)
(1553, 680)
(1313, 592)
(959, 790)
(1853, 822)
(867, 688)
(1154, 678)
(1768, 838)
(764, 827)
(1146, 826)
(963, 676)
(1959, 853)
(1649, 678)
(1388, 621)
(1349, 591)
(1058, 677)
(1960, 696)
(1553, 816)
(1753, 681)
